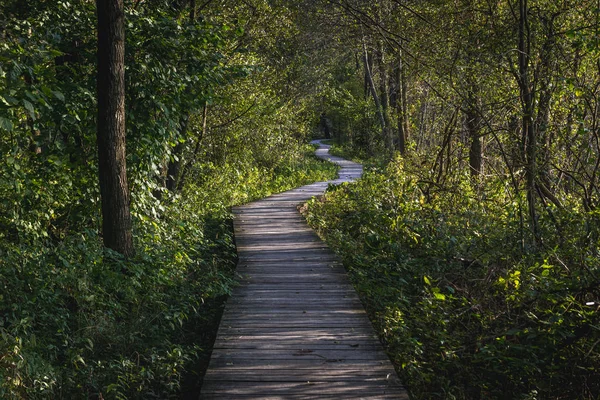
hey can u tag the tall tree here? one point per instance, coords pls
(401, 106)
(114, 191)
(384, 98)
(371, 84)
(527, 104)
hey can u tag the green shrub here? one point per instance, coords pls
(77, 321)
(464, 310)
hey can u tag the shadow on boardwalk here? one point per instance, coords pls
(295, 328)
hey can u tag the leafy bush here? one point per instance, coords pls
(77, 321)
(464, 309)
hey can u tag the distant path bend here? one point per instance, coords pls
(295, 328)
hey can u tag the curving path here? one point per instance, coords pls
(295, 328)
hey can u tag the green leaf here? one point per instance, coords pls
(427, 281)
(439, 296)
(59, 95)
(29, 108)
(6, 124)
(11, 100)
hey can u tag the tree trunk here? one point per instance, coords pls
(527, 126)
(192, 161)
(174, 164)
(384, 97)
(401, 106)
(542, 120)
(473, 124)
(475, 150)
(368, 61)
(114, 191)
(192, 11)
(173, 168)
(369, 77)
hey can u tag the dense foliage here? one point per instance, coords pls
(80, 321)
(463, 312)
(474, 238)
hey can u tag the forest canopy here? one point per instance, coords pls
(473, 238)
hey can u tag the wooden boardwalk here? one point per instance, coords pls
(295, 328)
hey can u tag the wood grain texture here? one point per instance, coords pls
(295, 328)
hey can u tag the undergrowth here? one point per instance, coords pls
(465, 310)
(77, 321)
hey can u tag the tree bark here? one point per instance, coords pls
(192, 11)
(192, 160)
(475, 149)
(527, 126)
(369, 76)
(174, 164)
(384, 97)
(473, 125)
(545, 90)
(367, 73)
(401, 106)
(112, 172)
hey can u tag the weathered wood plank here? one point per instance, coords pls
(256, 269)
(317, 314)
(291, 264)
(294, 345)
(301, 364)
(293, 286)
(296, 318)
(293, 315)
(216, 396)
(343, 353)
(294, 328)
(291, 306)
(307, 332)
(293, 341)
(305, 293)
(342, 389)
(294, 301)
(298, 265)
(302, 375)
(297, 324)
